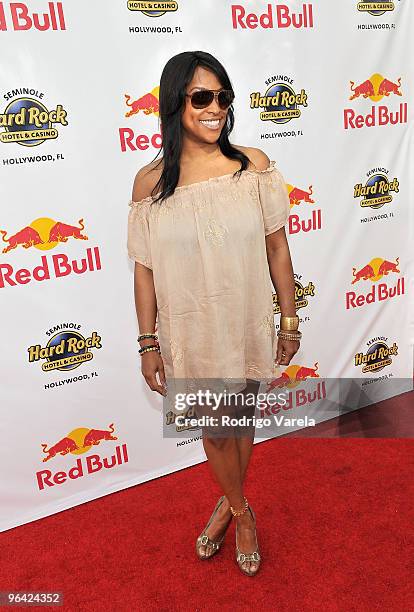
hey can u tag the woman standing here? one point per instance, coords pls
(206, 230)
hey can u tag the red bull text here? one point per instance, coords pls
(278, 16)
(379, 115)
(298, 398)
(20, 18)
(130, 141)
(54, 266)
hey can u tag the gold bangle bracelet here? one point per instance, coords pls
(289, 323)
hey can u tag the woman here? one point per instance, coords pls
(205, 228)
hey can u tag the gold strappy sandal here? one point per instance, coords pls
(204, 540)
(241, 557)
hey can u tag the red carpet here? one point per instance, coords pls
(335, 527)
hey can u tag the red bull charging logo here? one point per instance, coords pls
(377, 357)
(376, 88)
(374, 271)
(292, 375)
(147, 104)
(77, 442)
(44, 234)
(28, 122)
(297, 195)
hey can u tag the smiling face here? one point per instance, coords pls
(203, 124)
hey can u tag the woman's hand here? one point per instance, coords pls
(151, 363)
(285, 351)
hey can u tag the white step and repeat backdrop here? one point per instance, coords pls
(79, 93)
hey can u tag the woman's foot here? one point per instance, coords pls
(246, 542)
(216, 530)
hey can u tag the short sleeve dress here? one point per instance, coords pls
(206, 247)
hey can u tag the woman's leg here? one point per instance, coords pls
(245, 437)
(228, 458)
(246, 536)
(223, 459)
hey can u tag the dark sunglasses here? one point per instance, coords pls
(204, 97)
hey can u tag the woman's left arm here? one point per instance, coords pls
(281, 273)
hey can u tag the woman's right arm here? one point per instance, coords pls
(146, 309)
(146, 302)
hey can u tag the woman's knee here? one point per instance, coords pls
(218, 442)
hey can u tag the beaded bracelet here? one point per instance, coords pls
(143, 336)
(148, 346)
(286, 335)
(147, 349)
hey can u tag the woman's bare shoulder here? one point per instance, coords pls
(145, 180)
(258, 158)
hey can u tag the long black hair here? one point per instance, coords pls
(176, 75)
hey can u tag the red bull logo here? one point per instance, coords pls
(366, 89)
(44, 234)
(152, 8)
(279, 16)
(377, 357)
(374, 271)
(375, 88)
(296, 195)
(377, 190)
(291, 376)
(299, 223)
(290, 379)
(28, 122)
(280, 101)
(78, 442)
(147, 104)
(19, 16)
(65, 350)
(302, 295)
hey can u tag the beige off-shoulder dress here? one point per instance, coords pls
(206, 247)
